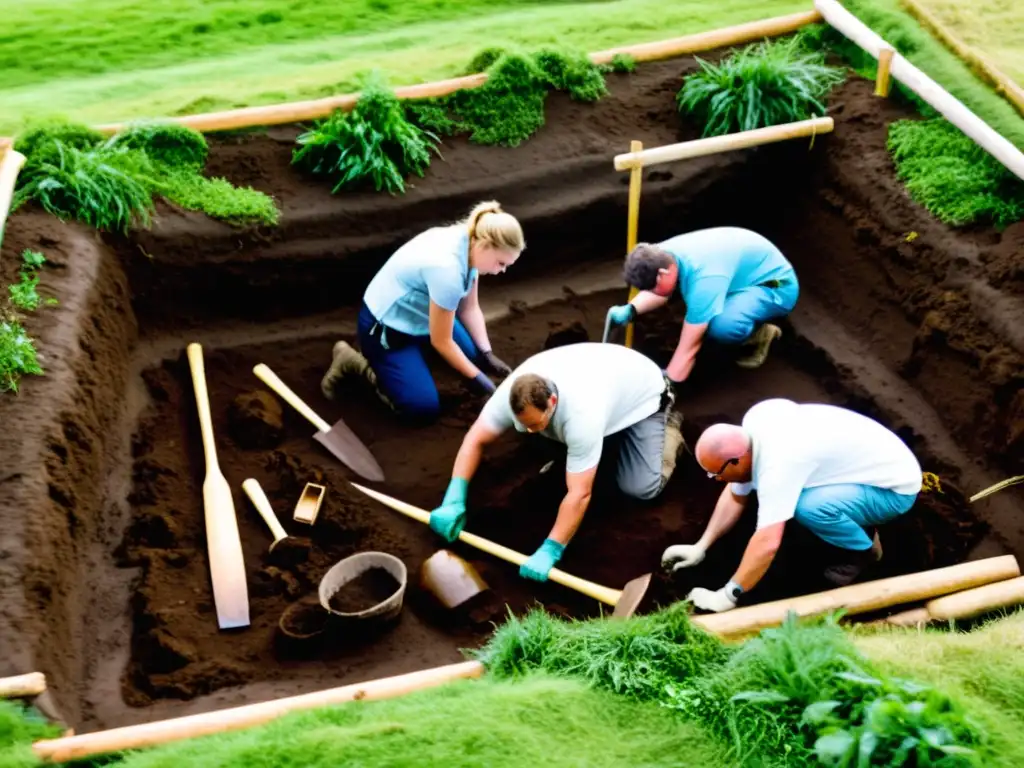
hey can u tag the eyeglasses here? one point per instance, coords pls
(713, 475)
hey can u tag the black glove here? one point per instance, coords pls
(482, 385)
(497, 366)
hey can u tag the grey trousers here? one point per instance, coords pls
(642, 455)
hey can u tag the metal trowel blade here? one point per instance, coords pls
(632, 594)
(343, 443)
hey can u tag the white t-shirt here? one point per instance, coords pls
(602, 389)
(808, 445)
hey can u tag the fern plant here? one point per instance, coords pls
(761, 85)
(106, 187)
(374, 144)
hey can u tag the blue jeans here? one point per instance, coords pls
(746, 309)
(402, 372)
(840, 513)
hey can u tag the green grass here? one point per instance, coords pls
(468, 724)
(636, 658)
(992, 27)
(765, 84)
(17, 348)
(153, 64)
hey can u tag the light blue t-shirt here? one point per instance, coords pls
(433, 266)
(722, 260)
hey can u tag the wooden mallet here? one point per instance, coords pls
(625, 601)
(285, 549)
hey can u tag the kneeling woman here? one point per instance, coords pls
(428, 293)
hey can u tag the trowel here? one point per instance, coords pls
(339, 439)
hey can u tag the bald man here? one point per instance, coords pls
(834, 471)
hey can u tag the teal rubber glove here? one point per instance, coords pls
(622, 314)
(448, 519)
(542, 561)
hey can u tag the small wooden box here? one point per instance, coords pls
(308, 505)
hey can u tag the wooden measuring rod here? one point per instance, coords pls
(625, 600)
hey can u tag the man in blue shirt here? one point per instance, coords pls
(732, 280)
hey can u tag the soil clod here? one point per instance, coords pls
(255, 421)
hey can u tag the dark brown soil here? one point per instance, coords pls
(104, 563)
(370, 588)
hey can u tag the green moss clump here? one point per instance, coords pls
(176, 146)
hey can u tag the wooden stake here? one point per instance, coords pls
(31, 684)
(191, 726)
(636, 179)
(863, 597)
(882, 81)
(731, 141)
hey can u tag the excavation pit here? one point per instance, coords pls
(102, 505)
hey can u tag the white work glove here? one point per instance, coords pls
(682, 556)
(717, 601)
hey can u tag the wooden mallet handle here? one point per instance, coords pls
(590, 589)
(259, 500)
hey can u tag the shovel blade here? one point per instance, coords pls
(349, 449)
(632, 594)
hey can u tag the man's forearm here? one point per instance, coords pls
(727, 511)
(681, 364)
(468, 458)
(570, 515)
(757, 558)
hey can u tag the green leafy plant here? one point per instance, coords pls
(950, 175)
(17, 355)
(106, 187)
(892, 722)
(509, 107)
(622, 63)
(761, 85)
(24, 294)
(39, 141)
(374, 143)
(170, 144)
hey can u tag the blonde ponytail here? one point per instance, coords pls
(490, 225)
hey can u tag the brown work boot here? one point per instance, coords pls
(348, 362)
(673, 443)
(760, 339)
